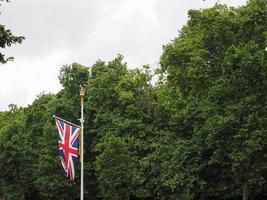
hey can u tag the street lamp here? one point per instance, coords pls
(82, 92)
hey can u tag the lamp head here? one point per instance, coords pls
(82, 91)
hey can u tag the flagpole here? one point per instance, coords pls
(82, 92)
(66, 121)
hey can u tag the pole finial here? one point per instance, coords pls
(82, 91)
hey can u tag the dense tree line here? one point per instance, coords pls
(199, 132)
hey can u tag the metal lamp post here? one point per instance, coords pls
(82, 93)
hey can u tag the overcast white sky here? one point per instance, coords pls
(61, 32)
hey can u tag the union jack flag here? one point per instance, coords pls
(68, 147)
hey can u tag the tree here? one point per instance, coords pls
(117, 106)
(217, 66)
(13, 154)
(116, 168)
(46, 180)
(7, 39)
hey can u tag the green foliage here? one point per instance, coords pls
(116, 168)
(73, 76)
(219, 72)
(13, 154)
(6, 40)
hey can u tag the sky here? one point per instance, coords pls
(60, 32)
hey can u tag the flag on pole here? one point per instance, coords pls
(68, 147)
